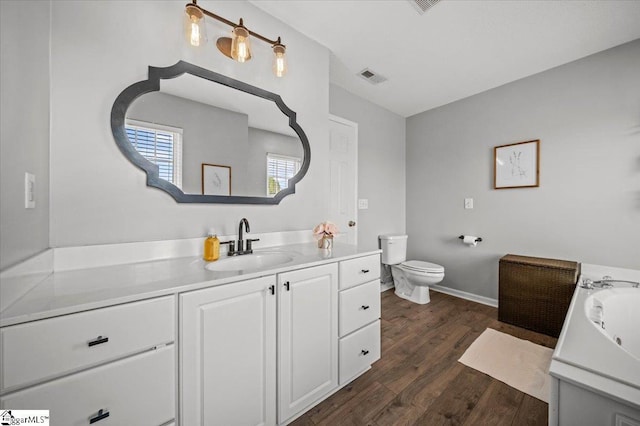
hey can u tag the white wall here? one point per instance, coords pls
(587, 208)
(381, 164)
(98, 49)
(24, 128)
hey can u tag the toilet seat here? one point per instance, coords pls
(422, 267)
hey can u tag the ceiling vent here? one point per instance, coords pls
(423, 5)
(371, 76)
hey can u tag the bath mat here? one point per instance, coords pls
(516, 362)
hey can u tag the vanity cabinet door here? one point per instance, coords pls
(228, 354)
(307, 338)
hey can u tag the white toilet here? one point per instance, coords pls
(410, 277)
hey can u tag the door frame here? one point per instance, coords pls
(353, 125)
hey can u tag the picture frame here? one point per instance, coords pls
(517, 165)
(216, 179)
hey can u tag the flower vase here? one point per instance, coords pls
(326, 242)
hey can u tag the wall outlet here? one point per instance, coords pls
(29, 191)
(363, 203)
(468, 203)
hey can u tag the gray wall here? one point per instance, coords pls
(216, 136)
(24, 128)
(381, 164)
(210, 135)
(587, 208)
(97, 195)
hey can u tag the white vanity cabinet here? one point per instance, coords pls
(228, 354)
(229, 348)
(113, 365)
(359, 315)
(308, 337)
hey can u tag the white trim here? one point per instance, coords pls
(353, 124)
(386, 286)
(465, 295)
(272, 156)
(177, 143)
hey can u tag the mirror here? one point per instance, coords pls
(207, 138)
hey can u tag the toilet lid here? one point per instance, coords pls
(418, 265)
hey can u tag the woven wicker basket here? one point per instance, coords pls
(535, 293)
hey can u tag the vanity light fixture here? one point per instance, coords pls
(237, 47)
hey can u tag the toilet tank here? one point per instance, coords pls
(394, 248)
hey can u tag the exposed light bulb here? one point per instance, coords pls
(242, 49)
(195, 32)
(280, 60)
(194, 26)
(241, 44)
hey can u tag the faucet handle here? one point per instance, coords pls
(249, 241)
(587, 283)
(232, 247)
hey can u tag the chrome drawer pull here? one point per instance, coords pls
(364, 352)
(98, 341)
(365, 271)
(365, 307)
(101, 415)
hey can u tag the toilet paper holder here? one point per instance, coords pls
(478, 239)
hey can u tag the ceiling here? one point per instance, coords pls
(457, 48)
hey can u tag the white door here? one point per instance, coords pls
(228, 354)
(343, 145)
(307, 338)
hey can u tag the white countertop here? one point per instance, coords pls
(66, 292)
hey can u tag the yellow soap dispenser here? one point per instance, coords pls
(211, 247)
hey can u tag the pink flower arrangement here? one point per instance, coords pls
(325, 229)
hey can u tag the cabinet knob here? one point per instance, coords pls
(98, 341)
(364, 352)
(102, 414)
(365, 271)
(286, 285)
(272, 289)
(364, 307)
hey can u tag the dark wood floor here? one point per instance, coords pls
(419, 381)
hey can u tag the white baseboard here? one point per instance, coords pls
(465, 295)
(386, 286)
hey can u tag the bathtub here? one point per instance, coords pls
(615, 312)
(595, 368)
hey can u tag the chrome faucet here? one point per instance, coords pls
(605, 282)
(241, 247)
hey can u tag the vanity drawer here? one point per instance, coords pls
(49, 348)
(359, 270)
(358, 351)
(359, 306)
(138, 390)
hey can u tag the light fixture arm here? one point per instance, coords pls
(233, 24)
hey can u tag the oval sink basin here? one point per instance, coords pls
(249, 261)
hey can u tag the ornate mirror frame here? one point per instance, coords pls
(152, 84)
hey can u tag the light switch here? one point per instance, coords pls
(468, 203)
(29, 191)
(363, 203)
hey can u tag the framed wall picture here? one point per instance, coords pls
(216, 179)
(516, 165)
